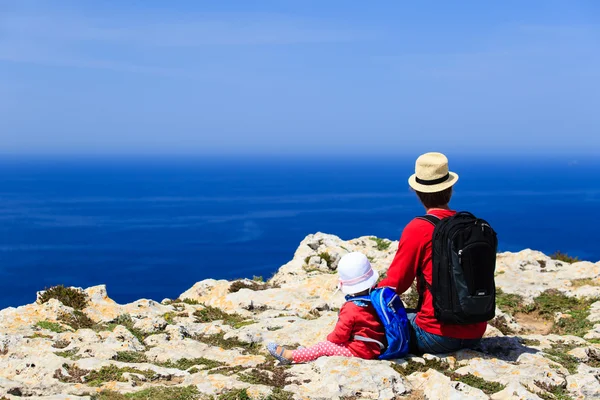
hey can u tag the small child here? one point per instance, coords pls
(358, 332)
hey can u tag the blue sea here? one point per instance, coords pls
(151, 228)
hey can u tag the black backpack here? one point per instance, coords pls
(464, 262)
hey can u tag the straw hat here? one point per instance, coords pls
(432, 174)
(355, 273)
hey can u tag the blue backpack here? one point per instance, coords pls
(392, 314)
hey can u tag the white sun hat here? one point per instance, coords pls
(432, 174)
(355, 273)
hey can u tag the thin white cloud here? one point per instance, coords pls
(71, 40)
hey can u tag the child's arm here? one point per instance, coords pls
(342, 333)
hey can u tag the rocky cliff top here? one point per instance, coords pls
(209, 342)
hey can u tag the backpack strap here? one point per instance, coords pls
(433, 220)
(359, 300)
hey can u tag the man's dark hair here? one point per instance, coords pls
(437, 199)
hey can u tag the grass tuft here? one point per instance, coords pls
(559, 353)
(51, 326)
(112, 373)
(486, 387)
(382, 244)
(211, 314)
(554, 392)
(218, 340)
(155, 393)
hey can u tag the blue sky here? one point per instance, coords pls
(308, 77)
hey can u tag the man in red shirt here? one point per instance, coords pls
(433, 184)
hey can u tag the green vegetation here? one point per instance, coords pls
(155, 393)
(564, 257)
(486, 387)
(559, 354)
(274, 328)
(112, 373)
(185, 364)
(546, 305)
(412, 366)
(555, 392)
(75, 374)
(585, 282)
(126, 321)
(327, 258)
(236, 394)
(219, 340)
(258, 279)
(169, 317)
(70, 297)
(411, 298)
(252, 285)
(552, 301)
(77, 320)
(130, 357)
(210, 314)
(61, 344)
(501, 325)
(382, 244)
(71, 354)
(530, 342)
(51, 326)
(38, 335)
(508, 302)
(267, 374)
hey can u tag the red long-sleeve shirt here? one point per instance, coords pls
(362, 321)
(414, 251)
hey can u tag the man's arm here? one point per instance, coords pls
(403, 270)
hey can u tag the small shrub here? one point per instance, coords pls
(75, 374)
(382, 244)
(486, 387)
(508, 302)
(564, 257)
(38, 335)
(412, 366)
(71, 354)
(112, 373)
(280, 394)
(252, 285)
(211, 314)
(70, 297)
(258, 279)
(126, 321)
(530, 342)
(185, 364)
(585, 282)
(170, 318)
(154, 393)
(559, 353)
(218, 340)
(61, 344)
(411, 298)
(236, 394)
(266, 374)
(77, 320)
(51, 326)
(130, 357)
(501, 325)
(327, 258)
(555, 392)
